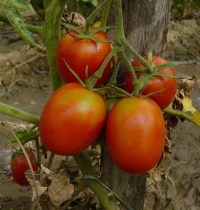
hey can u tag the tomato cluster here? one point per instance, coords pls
(132, 128)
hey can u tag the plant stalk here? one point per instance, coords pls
(85, 165)
(180, 114)
(105, 15)
(52, 35)
(89, 19)
(19, 114)
(91, 81)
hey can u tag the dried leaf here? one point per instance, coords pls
(156, 175)
(167, 149)
(188, 85)
(45, 170)
(60, 189)
(76, 18)
(37, 188)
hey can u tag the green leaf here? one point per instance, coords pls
(11, 10)
(25, 136)
(15, 4)
(17, 21)
(93, 2)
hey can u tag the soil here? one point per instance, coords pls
(183, 41)
(25, 84)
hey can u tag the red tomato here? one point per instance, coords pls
(135, 134)
(164, 86)
(82, 54)
(19, 166)
(101, 138)
(71, 119)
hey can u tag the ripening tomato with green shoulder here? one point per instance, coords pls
(71, 119)
(135, 134)
(163, 88)
(83, 56)
(19, 166)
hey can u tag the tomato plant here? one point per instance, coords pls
(19, 166)
(161, 88)
(74, 117)
(84, 56)
(71, 119)
(135, 134)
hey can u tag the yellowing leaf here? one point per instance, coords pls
(60, 189)
(196, 118)
(187, 105)
(97, 24)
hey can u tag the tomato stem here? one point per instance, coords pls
(181, 114)
(52, 35)
(144, 62)
(50, 161)
(91, 81)
(166, 65)
(75, 74)
(85, 165)
(90, 19)
(121, 40)
(19, 114)
(108, 202)
(105, 15)
(123, 92)
(89, 177)
(113, 78)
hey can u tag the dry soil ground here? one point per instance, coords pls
(25, 84)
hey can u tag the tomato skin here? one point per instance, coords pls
(19, 166)
(155, 84)
(71, 119)
(82, 54)
(101, 138)
(135, 134)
